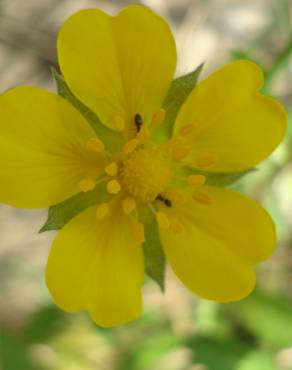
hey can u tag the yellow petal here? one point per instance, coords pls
(233, 121)
(216, 251)
(118, 66)
(96, 265)
(42, 146)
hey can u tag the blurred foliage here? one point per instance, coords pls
(248, 336)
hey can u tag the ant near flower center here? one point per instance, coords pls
(166, 201)
(138, 121)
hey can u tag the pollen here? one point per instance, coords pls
(206, 161)
(146, 173)
(158, 117)
(113, 187)
(86, 185)
(128, 205)
(202, 198)
(162, 220)
(197, 180)
(187, 129)
(179, 152)
(112, 169)
(102, 210)
(95, 145)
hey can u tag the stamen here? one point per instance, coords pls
(95, 145)
(112, 169)
(130, 146)
(176, 196)
(113, 187)
(175, 141)
(128, 205)
(179, 152)
(119, 123)
(158, 117)
(162, 220)
(176, 226)
(138, 232)
(206, 161)
(86, 185)
(202, 198)
(187, 129)
(102, 210)
(197, 180)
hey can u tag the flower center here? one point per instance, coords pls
(146, 173)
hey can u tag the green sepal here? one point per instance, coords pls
(60, 214)
(152, 247)
(112, 140)
(217, 179)
(177, 94)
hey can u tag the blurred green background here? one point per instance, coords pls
(177, 330)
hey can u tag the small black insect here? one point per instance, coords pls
(138, 121)
(166, 201)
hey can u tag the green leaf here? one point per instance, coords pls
(60, 214)
(148, 353)
(177, 94)
(217, 353)
(44, 324)
(257, 360)
(268, 318)
(113, 140)
(15, 353)
(217, 179)
(153, 251)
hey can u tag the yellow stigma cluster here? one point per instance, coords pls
(146, 173)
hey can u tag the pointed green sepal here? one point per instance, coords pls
(177, 94)
(153, 251)
(60, 214)
(112, 140)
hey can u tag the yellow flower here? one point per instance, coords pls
(121, 68)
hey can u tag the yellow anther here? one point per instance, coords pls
(112, 169)
(95, 145)
(202, 198)
(179, 152)
(197, 180)
(113, 187)
(130, 146)
(206, 161)
(143, 135)
(138, 232)
(102, 210)
(86, 185)
(176, 226)
(175, 141)
(176, 196)
(158, 117)
(187, 129)
(119, 123)
(162, 220)
(128, 205)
